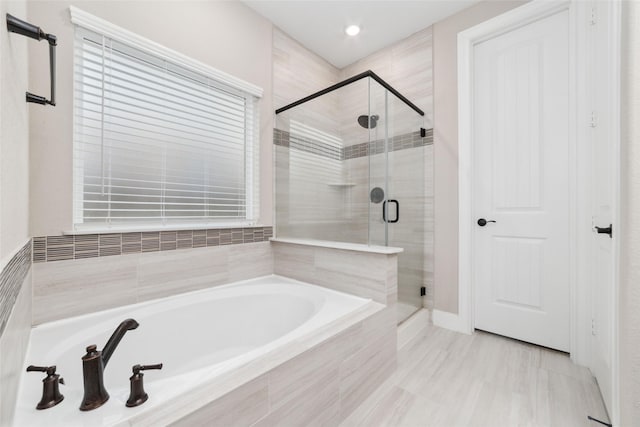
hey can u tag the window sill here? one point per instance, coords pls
(156, 228)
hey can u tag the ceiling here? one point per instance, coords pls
(319, 25)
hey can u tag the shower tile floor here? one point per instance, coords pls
(448, 379)
(404, 311)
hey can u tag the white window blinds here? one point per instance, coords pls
(158, 144)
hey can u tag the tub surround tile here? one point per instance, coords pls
(109, 244)
(86, 246)
(12, 278)
(13, 348)
(242, 407)
(15, 326)
(367, 274)
(70, 288)
(199, 238)
(40, 249)
(294, 261)
(318, 381)
(73, 287)
(364, 371)
(185, 239)
(363, 274)
(81, 246)
(310, 369)
(131, 243)
(150, 242)
(260, 263)
(59, 248)
(168, 240)
(170, 273)
(316, 404)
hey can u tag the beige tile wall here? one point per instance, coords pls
(321, 386)
(366, 274)
(107, 282)
(342, 213)
(405, 65)
(70, 288)
(297, 73)
(13, 348)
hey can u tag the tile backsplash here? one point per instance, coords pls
(80, 246)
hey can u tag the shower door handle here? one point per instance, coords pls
(384, 211)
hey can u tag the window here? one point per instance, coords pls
(158, 143)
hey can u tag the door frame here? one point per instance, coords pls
(581, 15)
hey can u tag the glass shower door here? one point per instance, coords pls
(397, 191)
(350, 166)
(378, 164)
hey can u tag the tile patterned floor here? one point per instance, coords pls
(448, 379)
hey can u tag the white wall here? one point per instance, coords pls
(445, 126)
(226, 35)
(14, 134)
(629, 298)
(15, 295)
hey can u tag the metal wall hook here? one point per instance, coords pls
(18, 26)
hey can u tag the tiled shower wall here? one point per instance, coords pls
(317, 199)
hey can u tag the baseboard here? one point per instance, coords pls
(450, 321)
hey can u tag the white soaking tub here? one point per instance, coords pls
(198, 337)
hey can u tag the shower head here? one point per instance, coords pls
(368, 122)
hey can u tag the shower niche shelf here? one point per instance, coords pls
(341, 184)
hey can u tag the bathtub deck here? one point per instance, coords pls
(449, 379)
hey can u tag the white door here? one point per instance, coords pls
(603, 186)
(602, 350)
(521, 181)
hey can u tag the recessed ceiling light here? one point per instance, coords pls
(352, 30)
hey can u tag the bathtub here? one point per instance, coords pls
(198, 336)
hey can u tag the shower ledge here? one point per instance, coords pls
(341, 184)
(359, 247)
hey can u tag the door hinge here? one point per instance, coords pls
(594, 119)
(593, 18)
(423, 291)
(593, 327)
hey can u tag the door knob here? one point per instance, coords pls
(605, 230)
(482, 222)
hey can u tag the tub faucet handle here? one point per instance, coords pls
(51, 395)
(138, 396)
(137, 368)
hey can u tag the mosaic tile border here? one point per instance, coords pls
(11, 280)
(285, 139)
(400, 142)
(60, 248)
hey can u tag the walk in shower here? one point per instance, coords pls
(354, 164)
